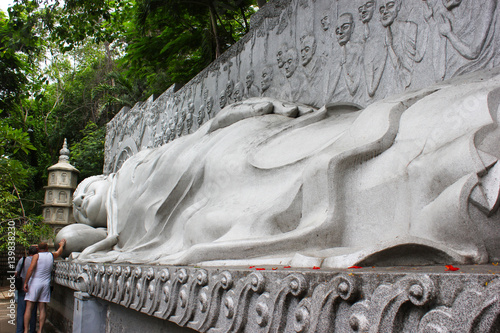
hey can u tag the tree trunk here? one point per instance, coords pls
(214, 30)
(109, 61)
(261, 3)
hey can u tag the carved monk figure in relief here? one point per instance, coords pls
(168, 135)
(467, 29)
(280, 55)
(190, 116)
(374, 54)
(290, 62)
(325, 23)
(238, 92)
(180, 127)
(401, 42)
(172, 122)
(222, 99)
(175, 117)
(266, 79)
(295, 80)
(158, 140)
(201, 115)
(210, 106)
(311, 65)
(351, 53)
(366, 10)
(229, 92)
(307, 49)
(251, 89)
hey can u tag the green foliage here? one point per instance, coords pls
(67, 67)
(13, 173)
(27, 232)
(181, 37)
(14, 178)
(87, 155)
(11, 67)
(12, 140)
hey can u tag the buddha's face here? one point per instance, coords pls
(389, 10)
(366, 11)
(450, 4)
(89, 201)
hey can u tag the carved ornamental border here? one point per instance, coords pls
(289, 300)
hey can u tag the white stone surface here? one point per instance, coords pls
(81, 236)
(318, 52)
(389, 184)
(89, 314)
(89, 201)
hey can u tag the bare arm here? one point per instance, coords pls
(104, 245)
(34, 261)
(60, 249)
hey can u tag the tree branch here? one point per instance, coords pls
(19, 198)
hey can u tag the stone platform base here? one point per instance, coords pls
(283, 299)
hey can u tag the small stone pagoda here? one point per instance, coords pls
(58, 209)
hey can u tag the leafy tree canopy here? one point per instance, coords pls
(67, 67)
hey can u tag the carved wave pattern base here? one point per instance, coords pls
(243, 300)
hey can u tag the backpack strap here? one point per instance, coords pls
(22, 266)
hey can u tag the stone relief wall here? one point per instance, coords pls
(318, 52)
(289, 300)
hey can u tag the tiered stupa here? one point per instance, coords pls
(58, 209)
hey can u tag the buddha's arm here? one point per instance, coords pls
(104, 245)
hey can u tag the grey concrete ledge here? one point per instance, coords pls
(278, 299)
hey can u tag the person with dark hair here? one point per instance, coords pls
(22, 268)
(38, 289)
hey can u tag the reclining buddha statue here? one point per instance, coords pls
(412, 179)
